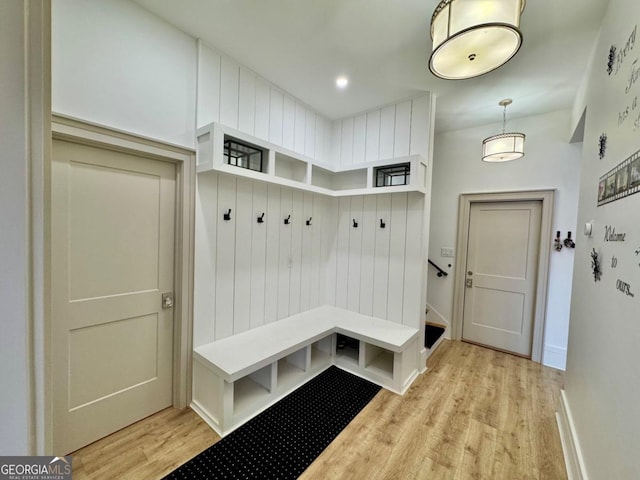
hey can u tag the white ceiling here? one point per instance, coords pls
(383, 47)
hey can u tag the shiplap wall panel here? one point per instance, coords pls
(398, 234)
(372, 144)
(208, 105)
(328, 143)
(329, 248)
(225, 257)
(420, 118)
(284, 254)
(355, 255)
(346, 143)
(411, 310)
(381, 261)
(402, 129)
(247, 102)
(295, 270)
(275, 117)
(369, 225)
(263, 106)
(229, 91)
(288, 122)
(359, 139)
(310, 133)
(272, 220)
(299, 129)
(342, 251)
(307, 252)
(204, 285)
(242, 272)
(258, 255)
(316, 264)
(335, 143)
(387, 131)
(318, 153)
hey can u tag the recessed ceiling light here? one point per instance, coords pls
(342, 82)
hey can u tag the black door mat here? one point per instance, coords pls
(432, 334)
(286, 438)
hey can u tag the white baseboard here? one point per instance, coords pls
(555, 357)
(573, 458)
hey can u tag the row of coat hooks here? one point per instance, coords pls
(287, 221)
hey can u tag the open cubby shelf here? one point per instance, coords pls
(281, 166)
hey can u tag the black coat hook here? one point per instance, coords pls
(227, 215)
(568, 242)
(287, 220)
(309, 221)
(355, 224)
(558, 242)
(261, 218)
(382, 224)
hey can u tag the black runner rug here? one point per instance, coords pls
(283, 440)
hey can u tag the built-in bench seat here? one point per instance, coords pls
(237, 377)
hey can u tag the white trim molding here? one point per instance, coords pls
(573, 459)
(464, 212)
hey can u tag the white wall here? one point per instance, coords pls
(14, 241)
(392, 131)
(247, 273)
(602, 380)
(117, 65)
(549, 162)
(233, 95)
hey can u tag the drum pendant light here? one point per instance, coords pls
(504, 146)
(474, 37)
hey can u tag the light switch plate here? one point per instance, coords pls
(446, 252)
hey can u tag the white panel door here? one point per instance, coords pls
(501, 275)
(112, 244)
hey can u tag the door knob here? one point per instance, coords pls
(469, 282)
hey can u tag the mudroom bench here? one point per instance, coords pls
(237, 377)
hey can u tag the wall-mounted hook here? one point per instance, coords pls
(308, 222)
(355, 224)
(568, 242)
(227, 215)
(557, 241)
(382, 224)
(287, 220)
(261, 218)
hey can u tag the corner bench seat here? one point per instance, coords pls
(237, 377)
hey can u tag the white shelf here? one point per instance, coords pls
(321, 353)
(247, 393)
(288, 374)
(287, 168)
(379, 361)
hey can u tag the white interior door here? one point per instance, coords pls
(112, 249)
(501, 275)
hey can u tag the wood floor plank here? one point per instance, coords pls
(475, 414)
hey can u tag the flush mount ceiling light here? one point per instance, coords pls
(504, 146)
(474, 37)
(342, 82)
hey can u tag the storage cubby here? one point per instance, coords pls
(378, 360)
(347, 350)
(290, 168)
(336, 181)
(251, 390)
(291, 369)
(321, 353)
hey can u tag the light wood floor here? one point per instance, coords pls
(476, 413)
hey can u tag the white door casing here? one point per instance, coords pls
(466, 200)
(501, 275)
(113, 220)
